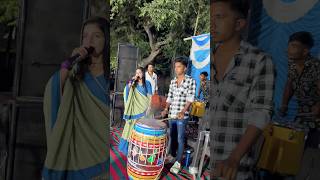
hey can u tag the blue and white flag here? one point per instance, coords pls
(271, 24)
(200, 57)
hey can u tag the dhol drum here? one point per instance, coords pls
(282, 150)
(198, 109)
(147, 149)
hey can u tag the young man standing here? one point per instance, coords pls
(241, 93)
(181, 94)
(304, 82)
(152, 77)
(204, 88)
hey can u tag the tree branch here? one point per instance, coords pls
(147, 28)
(150, 58)
(161, 43)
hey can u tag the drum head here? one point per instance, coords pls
(151, 123)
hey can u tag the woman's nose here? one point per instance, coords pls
(89, 40)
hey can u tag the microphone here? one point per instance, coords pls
(135, 80)
(76, 58)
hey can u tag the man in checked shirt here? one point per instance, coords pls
(241, 92)
(181, 94)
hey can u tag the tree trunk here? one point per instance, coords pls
(156, 47)
(153, 54)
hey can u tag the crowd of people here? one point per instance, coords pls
(181, 93)
(239, 97)
(239, 101)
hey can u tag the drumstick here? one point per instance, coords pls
(166, 119)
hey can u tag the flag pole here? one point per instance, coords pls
(188, 38)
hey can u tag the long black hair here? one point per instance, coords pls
(103, 25)
(143, 77)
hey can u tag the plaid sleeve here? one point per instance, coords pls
(191, 90)
(170, 94)
(261, 94)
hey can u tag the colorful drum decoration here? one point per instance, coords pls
(198, 109)
(147, 149)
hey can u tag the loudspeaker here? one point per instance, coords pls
(127, 63)
(128, 56)
(47, 33)
(30, 144)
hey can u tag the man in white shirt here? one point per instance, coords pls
(152, 77)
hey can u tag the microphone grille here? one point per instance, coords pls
(90, 49)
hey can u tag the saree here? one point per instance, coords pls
(137, 100)
(76, 128)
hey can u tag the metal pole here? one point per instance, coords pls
(12, 141)
(206, 141)
(197, 20)
(16, 89)
(115, 88)
(20, 40)
(194, 168)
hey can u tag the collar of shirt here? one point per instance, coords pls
(243, 49)
(307, 63)
(154, 75)
(204, 82)
(185, 78)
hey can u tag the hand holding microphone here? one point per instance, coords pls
(135, 78)
(81, 52)
(77, 55)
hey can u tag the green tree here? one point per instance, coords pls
(157, 27)
(9, 12)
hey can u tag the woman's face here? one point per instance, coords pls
(139, 73)
(94, 37)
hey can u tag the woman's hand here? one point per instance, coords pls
(134, 78)
(82, 51)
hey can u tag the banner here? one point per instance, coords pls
(200, 57)
(271, 24)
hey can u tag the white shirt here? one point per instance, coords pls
(153, 80)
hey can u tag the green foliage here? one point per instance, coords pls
(163, 14)
(9, 12)
(166, 17)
